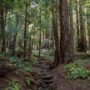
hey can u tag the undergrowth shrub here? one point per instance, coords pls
(76, 71)
(35, 52)
(18, 51)
(4, 54)
(24, 65)
(29, 80)
(82, 62)
(45, 52)
(32, 60)
(13, 85)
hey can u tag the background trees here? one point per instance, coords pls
(30, 24)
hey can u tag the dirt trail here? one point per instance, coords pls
(44, 77)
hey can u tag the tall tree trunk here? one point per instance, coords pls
(65, 36)
(30, 46)
(55, 33)
(2, 23)
(25, 31)
(83, 45)
(78, 24)
(88, 27)
(40, 35)
(71, 26)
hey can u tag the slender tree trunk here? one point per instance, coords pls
(29, 44)
(71, 26)
(83, 45)
(2, 25)
(13, 44)
(88, 27)
(77, 24)
(25, 32)
(40, 35)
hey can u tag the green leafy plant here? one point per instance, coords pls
(29, 80)
(77, 71)
(13, 85)
(32, 60)
(24, 65)
(26, 68)
(4, 54)
(18, 50)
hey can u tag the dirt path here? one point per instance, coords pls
(44, 77)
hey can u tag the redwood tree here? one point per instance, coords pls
(65, 36)
(55, 32)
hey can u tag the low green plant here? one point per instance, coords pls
(29, 80)
(77, 71)
(18, 50)
(13, 85)
(35, 52)
(32, 60)
(4, 54)
(27, 68)
(24, 65)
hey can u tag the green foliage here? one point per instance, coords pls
(82, 62)
(27, 64)
(29, 80)
(35, 52)
(15, 60)
(44, 52)
(47, 52)
(77, 71)
(13, 85)
(4, 54)
(18, 50)
(24, 65)
(32, 60)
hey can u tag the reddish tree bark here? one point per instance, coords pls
(65, 38)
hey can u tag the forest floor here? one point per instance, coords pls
(12, 77)
(57, 79)
(62, 82)
(44, 78)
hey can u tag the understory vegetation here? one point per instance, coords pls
(78, 69)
